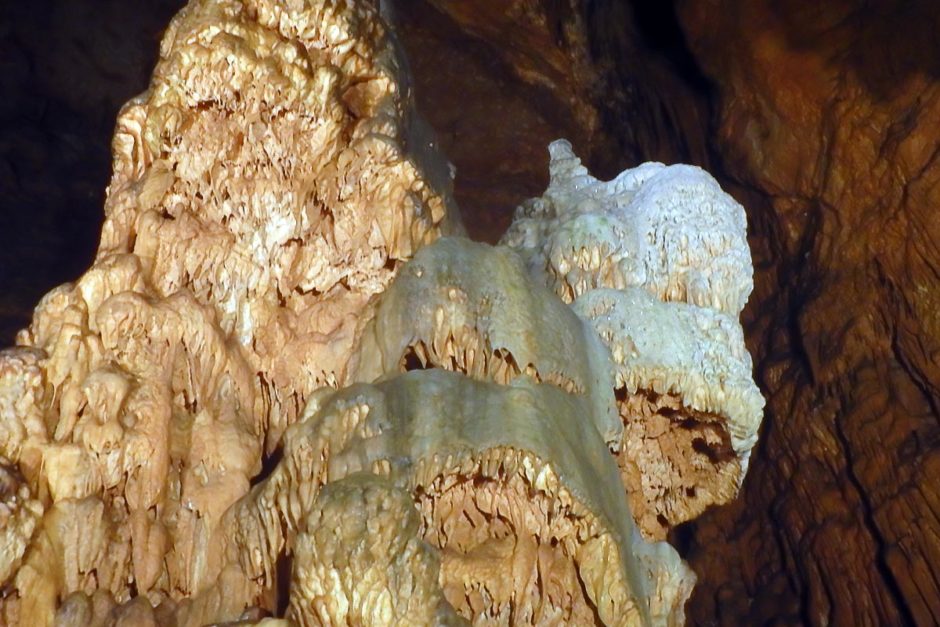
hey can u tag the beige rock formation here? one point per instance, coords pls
(267, 184)
(360, 560)
(819, 117)
(657, 261)
(172, 445)
(19, 516)
(512, 485)
(276, 170)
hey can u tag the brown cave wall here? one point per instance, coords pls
(820, 120)
(827, 126)
(500, 79)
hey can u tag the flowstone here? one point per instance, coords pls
(656, 260)
(288, 391)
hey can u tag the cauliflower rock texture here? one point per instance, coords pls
(266, 185)
(287, 392)
(668, 229)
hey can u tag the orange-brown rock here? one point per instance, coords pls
(828, 114)
(268, 183)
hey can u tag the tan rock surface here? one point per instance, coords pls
(360, 560)
(266, 185)
(512, 485)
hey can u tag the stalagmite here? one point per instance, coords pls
(657, 261)
(267, 184)
(288, 392)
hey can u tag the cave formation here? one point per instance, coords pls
(817, 119)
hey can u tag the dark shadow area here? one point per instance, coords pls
(660, 31)
(883, 43)
(66, 67)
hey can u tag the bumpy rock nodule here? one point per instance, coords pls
(171, 429)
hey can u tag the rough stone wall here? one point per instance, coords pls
(827, 115)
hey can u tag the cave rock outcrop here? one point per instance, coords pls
(287, 390)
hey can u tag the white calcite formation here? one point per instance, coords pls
(287, 391)
(657, 261)
(670, 230)
(472, 308)
(689, 406)
(492, 404)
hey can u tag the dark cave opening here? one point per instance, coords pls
(66, 68)
(659, 28)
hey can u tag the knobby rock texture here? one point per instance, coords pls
(818, 119)
(231, 415)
